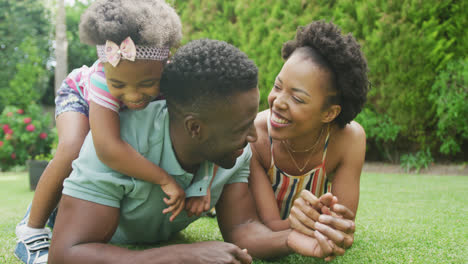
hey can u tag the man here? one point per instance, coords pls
(212, 101)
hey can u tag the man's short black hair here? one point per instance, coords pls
(206, 70)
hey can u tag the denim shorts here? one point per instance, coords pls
(69, 100)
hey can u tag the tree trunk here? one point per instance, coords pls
(61, 45)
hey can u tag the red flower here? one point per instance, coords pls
(8, 131)
(30, 127)
(6, 127)
(20, 111)
(27, 120)
(43, 135)
(13, 155)
(9, 114)
(8, 136)
(1, 143)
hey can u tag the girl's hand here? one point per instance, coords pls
(176, 199)
(198, 205)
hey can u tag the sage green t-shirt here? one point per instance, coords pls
(140, 202)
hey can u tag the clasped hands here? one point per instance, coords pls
(322, 227)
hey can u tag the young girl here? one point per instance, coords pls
(308, 140)
(133, 40)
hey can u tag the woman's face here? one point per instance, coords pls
(136, 83)
(297, 98)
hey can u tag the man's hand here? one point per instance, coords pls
(176, 199)
(216, 252)
(317, 246)
(198, 205)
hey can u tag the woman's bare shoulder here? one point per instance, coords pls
(350, 139)
(354, 132)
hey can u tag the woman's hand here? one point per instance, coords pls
(338, 227)
(321, 218)
(306, 211)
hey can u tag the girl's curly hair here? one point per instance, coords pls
(147, 22)
(342, 56)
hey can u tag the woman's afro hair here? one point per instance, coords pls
(147, 22)
(347, 64)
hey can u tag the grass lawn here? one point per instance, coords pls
(402, 218)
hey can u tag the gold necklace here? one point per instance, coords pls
(288, 145)
(294, 161)
(309, 149)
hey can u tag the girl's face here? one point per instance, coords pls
(135, 83)
(297, 98)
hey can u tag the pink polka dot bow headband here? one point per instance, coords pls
(113, 53)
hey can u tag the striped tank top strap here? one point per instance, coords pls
(272, 162)
(326, 146)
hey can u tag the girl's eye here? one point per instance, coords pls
(148, 84)
(277, 87)
(118, 86)
(297, 99)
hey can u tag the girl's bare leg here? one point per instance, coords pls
(72, 128)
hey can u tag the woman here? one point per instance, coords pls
(308, 143)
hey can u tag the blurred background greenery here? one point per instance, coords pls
(416, 50)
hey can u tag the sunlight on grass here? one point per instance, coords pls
(402, 218)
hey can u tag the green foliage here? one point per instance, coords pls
(25, 133)
(450, 97)
(79, 54)
(29, 74)
(381, 129)
(422, 159)
(407, 44)
(411, 42)
(24, 51)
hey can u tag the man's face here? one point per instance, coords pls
(231, 127)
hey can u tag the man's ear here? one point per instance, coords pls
(331, 113)
(193, 126)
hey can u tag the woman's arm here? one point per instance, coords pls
(345, 183)
(120, 156)
(263, 195)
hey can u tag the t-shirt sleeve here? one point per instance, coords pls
(93, 181)
(99, 92)
(242, 167)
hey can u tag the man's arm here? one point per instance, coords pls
(239, 224)
(83, 229)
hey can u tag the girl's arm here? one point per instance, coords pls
(120, 156)
(263, 195)
(199, 204)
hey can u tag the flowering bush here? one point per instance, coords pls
(24, 134)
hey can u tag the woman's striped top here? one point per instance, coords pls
(288, 187)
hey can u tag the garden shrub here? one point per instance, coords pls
(24, 134)
(29, 82)
(450, 97)
(417, 161)
(407, 45)
(25, 51)
(412, 47)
